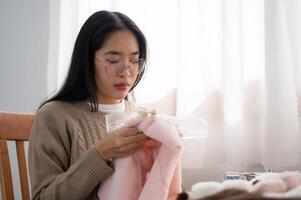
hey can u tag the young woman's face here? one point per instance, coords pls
(114, 65)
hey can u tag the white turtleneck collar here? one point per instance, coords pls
(112, 108)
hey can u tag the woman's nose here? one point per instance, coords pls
(126, 71)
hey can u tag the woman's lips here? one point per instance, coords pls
(122, 86)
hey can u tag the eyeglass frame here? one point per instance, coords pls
(140, 68)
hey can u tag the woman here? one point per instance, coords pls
(69, 150)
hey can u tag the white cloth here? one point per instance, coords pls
(112, 108)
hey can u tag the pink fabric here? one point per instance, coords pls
(149, 173)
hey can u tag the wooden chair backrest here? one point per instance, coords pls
(14, 127)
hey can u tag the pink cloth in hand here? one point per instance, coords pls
(148, 174)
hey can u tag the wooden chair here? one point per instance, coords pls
(14, 127)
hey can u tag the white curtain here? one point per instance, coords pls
(230, 70)
(282, 141)
(243, 78)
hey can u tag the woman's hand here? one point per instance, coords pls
(120, 143)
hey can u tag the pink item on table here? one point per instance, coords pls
(292, 180)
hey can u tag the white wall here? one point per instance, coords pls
(23, 54)
(24, 39)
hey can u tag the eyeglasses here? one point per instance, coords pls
(115, 67)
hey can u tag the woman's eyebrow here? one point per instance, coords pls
(119, 53)
(113, 52)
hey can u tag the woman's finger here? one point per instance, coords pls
(135, 138)
(128, 131)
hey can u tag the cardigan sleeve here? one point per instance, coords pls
(52, 177)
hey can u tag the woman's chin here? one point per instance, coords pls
(120, 96)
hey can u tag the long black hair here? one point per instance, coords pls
(80, 82)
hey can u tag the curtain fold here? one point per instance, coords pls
(282, 138)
